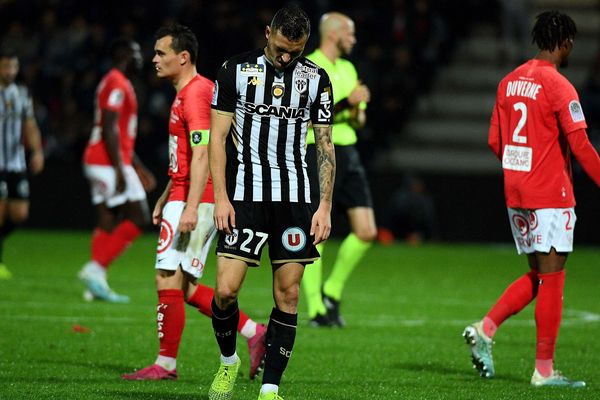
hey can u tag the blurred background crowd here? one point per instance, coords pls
(63, 51)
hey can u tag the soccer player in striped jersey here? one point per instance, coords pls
(536, 124)
(263, 103)
(18, 128)
(184, 210)
(351, 192)
(118, 180)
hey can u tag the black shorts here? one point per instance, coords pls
(351, 188)
(14, 185)
(285, 227)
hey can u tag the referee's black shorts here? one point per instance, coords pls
(351, 187)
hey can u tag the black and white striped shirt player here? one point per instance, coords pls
(15, 107)
(266, 160)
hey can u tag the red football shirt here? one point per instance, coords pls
(536, 109)
(114, 93)
(190, 117)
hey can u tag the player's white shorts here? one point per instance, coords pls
(103, 184)
(542, 229)
(188, 250)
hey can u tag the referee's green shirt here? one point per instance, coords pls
(344, 79)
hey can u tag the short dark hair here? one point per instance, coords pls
(8, 52)
(552, 29)
(292, 22)
(120, 48)
(183, 39)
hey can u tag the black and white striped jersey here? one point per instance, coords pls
(271, 112)
(15, 107)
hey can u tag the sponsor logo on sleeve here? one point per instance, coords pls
(116, 97)
(576, 111)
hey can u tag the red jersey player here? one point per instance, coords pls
(185, 209)
(536, 124)
(117, 178)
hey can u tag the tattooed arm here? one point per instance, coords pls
(321, 222)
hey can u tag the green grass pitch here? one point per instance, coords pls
(405, 308)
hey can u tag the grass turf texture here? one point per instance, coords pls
(405, 307)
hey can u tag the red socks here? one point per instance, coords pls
(170, 319)
(106, 247)
(548, 314)
(202, 298)
(514, 299)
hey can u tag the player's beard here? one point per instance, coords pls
(564, 63)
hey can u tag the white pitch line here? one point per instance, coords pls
(572, 317)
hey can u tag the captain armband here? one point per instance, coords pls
(199, 137)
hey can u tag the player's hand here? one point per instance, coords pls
(36, 162)
(188, 220)
(120, 188)
(359, 94)
(224, 216)
(320, 227)
(147, 179)
(157, 212)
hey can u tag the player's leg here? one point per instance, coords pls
(351, 193)
(548, 315)
(225, 319)
(170, 320)
(351, 252)
(200, 297)
(5, 229)
(127, 229)
(478, 336)
(516, 297)
(93, 274)
(312, 285)
(14, 209)
(282, 323)
(16, 212)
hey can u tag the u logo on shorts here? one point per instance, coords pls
(293, 239)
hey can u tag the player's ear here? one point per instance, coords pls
(184, 57)
(267, 31)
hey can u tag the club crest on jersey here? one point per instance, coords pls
(278, 89)
(232, 239)
(301, 85)
(576, 111)
(165, 238)
(248, 69)
(293, 239)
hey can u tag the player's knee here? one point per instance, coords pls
(225, 295)
(366, 234)
(287, 297)
(19, 216)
